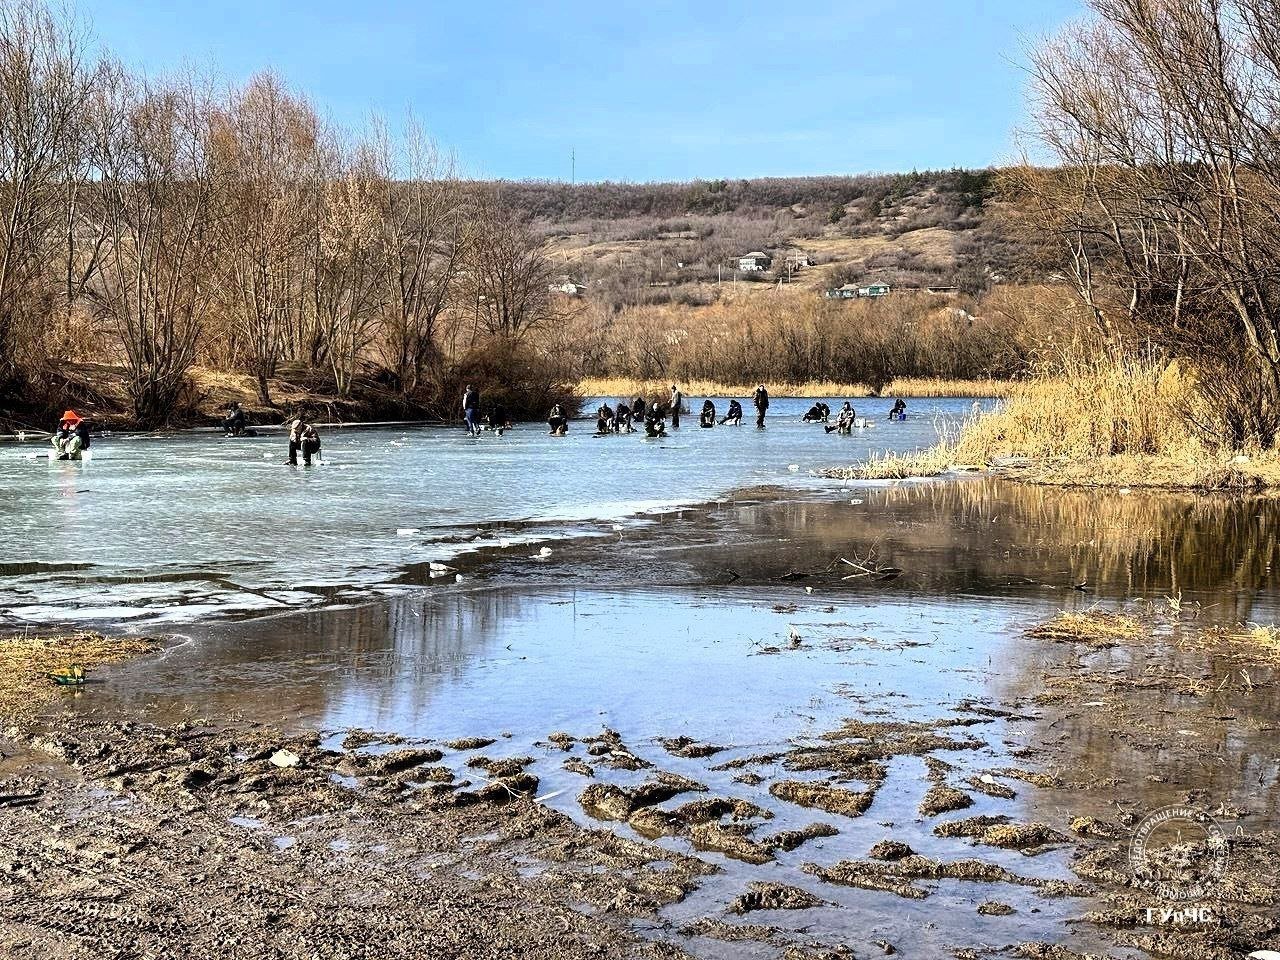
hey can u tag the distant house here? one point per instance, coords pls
(797, 260)
(941, 290)
(851, 291)
(568, 287)
(848, 292)
(754, 261)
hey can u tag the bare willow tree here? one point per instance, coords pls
(347, 285)
(423, 219)
(507, 275)
(1164, 116)
(263, 148)
(46, 77)
(155, 203)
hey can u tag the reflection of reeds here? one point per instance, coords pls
(907, 387)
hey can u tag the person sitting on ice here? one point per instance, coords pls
(72, 437)
(235, 422)
(708, 417)
(733, 416)
(622, 418)
(558, 422)
(844, 421)
(604, 420)
(818, 413)
(654, 425)
(899, 411)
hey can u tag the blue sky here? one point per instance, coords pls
(640, 91)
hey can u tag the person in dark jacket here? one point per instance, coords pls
(818, 413)
(899, 411)
(497, 420)
(638, 410)
(761, 400)
(733, 416)
(708, 417)
(677, 402)
(558, 422)
(622, 418)
(471, 410)
(604, 420)
(304, 438)
(654, 426)
(235, 422)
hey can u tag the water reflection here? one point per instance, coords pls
(980, 536)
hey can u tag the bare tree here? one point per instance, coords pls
(422, 227)
(46, 77)
(347, 288)
(263, 148)
(154, 204)
(1163, 115)
(507, 276)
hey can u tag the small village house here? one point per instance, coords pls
(754, 262)
(567, 286)
(875, 290)
(847, 292)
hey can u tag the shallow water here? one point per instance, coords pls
(193, 525)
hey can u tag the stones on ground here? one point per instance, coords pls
(1094, 827)
(729, 932)
(580, 767)
(284, 759)
(774, 896)
(994, 908)
(562, 740)
(822, 796)
(504, 767)
(944, 800)
(608, 746)
(941, 797)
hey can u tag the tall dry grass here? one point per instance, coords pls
(1090, 408)
(1096, 421)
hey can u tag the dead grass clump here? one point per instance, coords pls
(774, 896)
(933, 462)
(1094, 628)
(847, 803)
(1264, 641)
(27, 660)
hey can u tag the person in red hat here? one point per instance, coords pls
(72, 437)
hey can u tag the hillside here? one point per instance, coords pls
(635, 244)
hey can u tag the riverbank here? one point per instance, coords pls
(917, 387)
(567, 843)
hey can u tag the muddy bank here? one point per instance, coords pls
(126, 838)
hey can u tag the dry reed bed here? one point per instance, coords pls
(27, 659)
(1111, 422)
